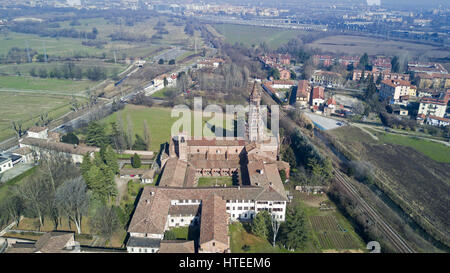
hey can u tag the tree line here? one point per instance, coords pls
(41, 30)
(70, 71)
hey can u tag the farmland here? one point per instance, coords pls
(254, 35)
(413, 180)
(331, 235)
(357, 45)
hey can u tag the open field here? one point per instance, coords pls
(213, 181)
(24, 69)
(436, 151)
(46, 85)
(254, 35)
(159, 122)
(26, 107)
(417, 183)
(357, 45)
(69, 47)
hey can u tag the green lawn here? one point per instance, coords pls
(239, 238)
(143, 166)
(254, 35)
(213, 181)
(159, 121)
(436, 151)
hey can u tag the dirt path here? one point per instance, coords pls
(121, 188)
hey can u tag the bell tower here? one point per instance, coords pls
(255, 122)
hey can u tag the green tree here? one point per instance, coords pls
(110, 159)
(70, 138)
(293, 232)
(287, 154)
(261, 224)
(395, 64)
(140, 144)
(170, 235)
(85, 165)
(275, 73)
(136, 161)
(95, 135)
(379, 79)
(364, 62)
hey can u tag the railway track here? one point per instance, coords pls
(397, 241)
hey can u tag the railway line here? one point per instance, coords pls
(397, 241)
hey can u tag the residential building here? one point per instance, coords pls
(395, 88)
(5, 164)
(432, 107)
(438, 121)
(327, 78)
(385, 75)
(25, 153)
(430, 68)
(303, 92)
(38, 132)
(433, 80)
(318, 96)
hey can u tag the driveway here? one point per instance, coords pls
(17, 170)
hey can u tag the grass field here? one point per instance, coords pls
(213, 181)
(25, 68)
(47, 85)
(436, 151)
(26, 107)
(254, 35)
(159, 121)
(68, 47)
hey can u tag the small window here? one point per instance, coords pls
(214, 244)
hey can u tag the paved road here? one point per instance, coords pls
(16, 171)
(170, 54)
(324, 123)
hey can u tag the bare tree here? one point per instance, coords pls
(18, 128)
(146, 134)
(33, 192)
(129, 132)
(73, 200)
(275, 228)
